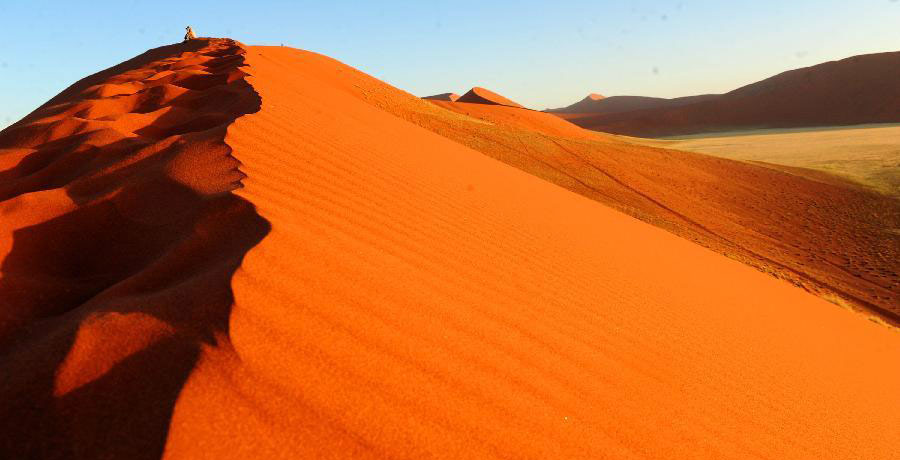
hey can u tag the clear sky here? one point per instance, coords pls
(541, 53)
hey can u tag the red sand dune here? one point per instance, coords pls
(856, 90)
(478, 95)
(614, 104)
(376, 290)
(452, 97)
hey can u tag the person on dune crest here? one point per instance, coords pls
(190, 34)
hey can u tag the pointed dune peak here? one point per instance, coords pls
(478, 95)
(452, 97)
(590, 103)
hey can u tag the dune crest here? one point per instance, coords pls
(118, 238)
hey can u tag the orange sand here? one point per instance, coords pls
(392, 294)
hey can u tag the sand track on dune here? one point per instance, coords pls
(118, 238)
(826, 236)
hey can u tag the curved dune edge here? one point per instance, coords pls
(119, 233)
(415, 298)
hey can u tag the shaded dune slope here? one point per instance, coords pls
(118, 238)
(452, 97)
(418, 299)
(857, 90)
(378, 290)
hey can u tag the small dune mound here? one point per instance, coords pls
(479, 95)
(452, 97)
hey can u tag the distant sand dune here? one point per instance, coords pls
(478, 95)
(856, 90)
(452, 97)
(593, 105)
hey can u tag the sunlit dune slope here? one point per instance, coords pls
(417, 299)
(317, 276)
(828, 236)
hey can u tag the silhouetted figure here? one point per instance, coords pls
(190, 34)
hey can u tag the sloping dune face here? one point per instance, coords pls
(831, 238)
(857, 90)
(484, 96)
(119, 234)
(417, 299)
(377, 290)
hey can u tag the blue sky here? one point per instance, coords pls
(539, 53)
